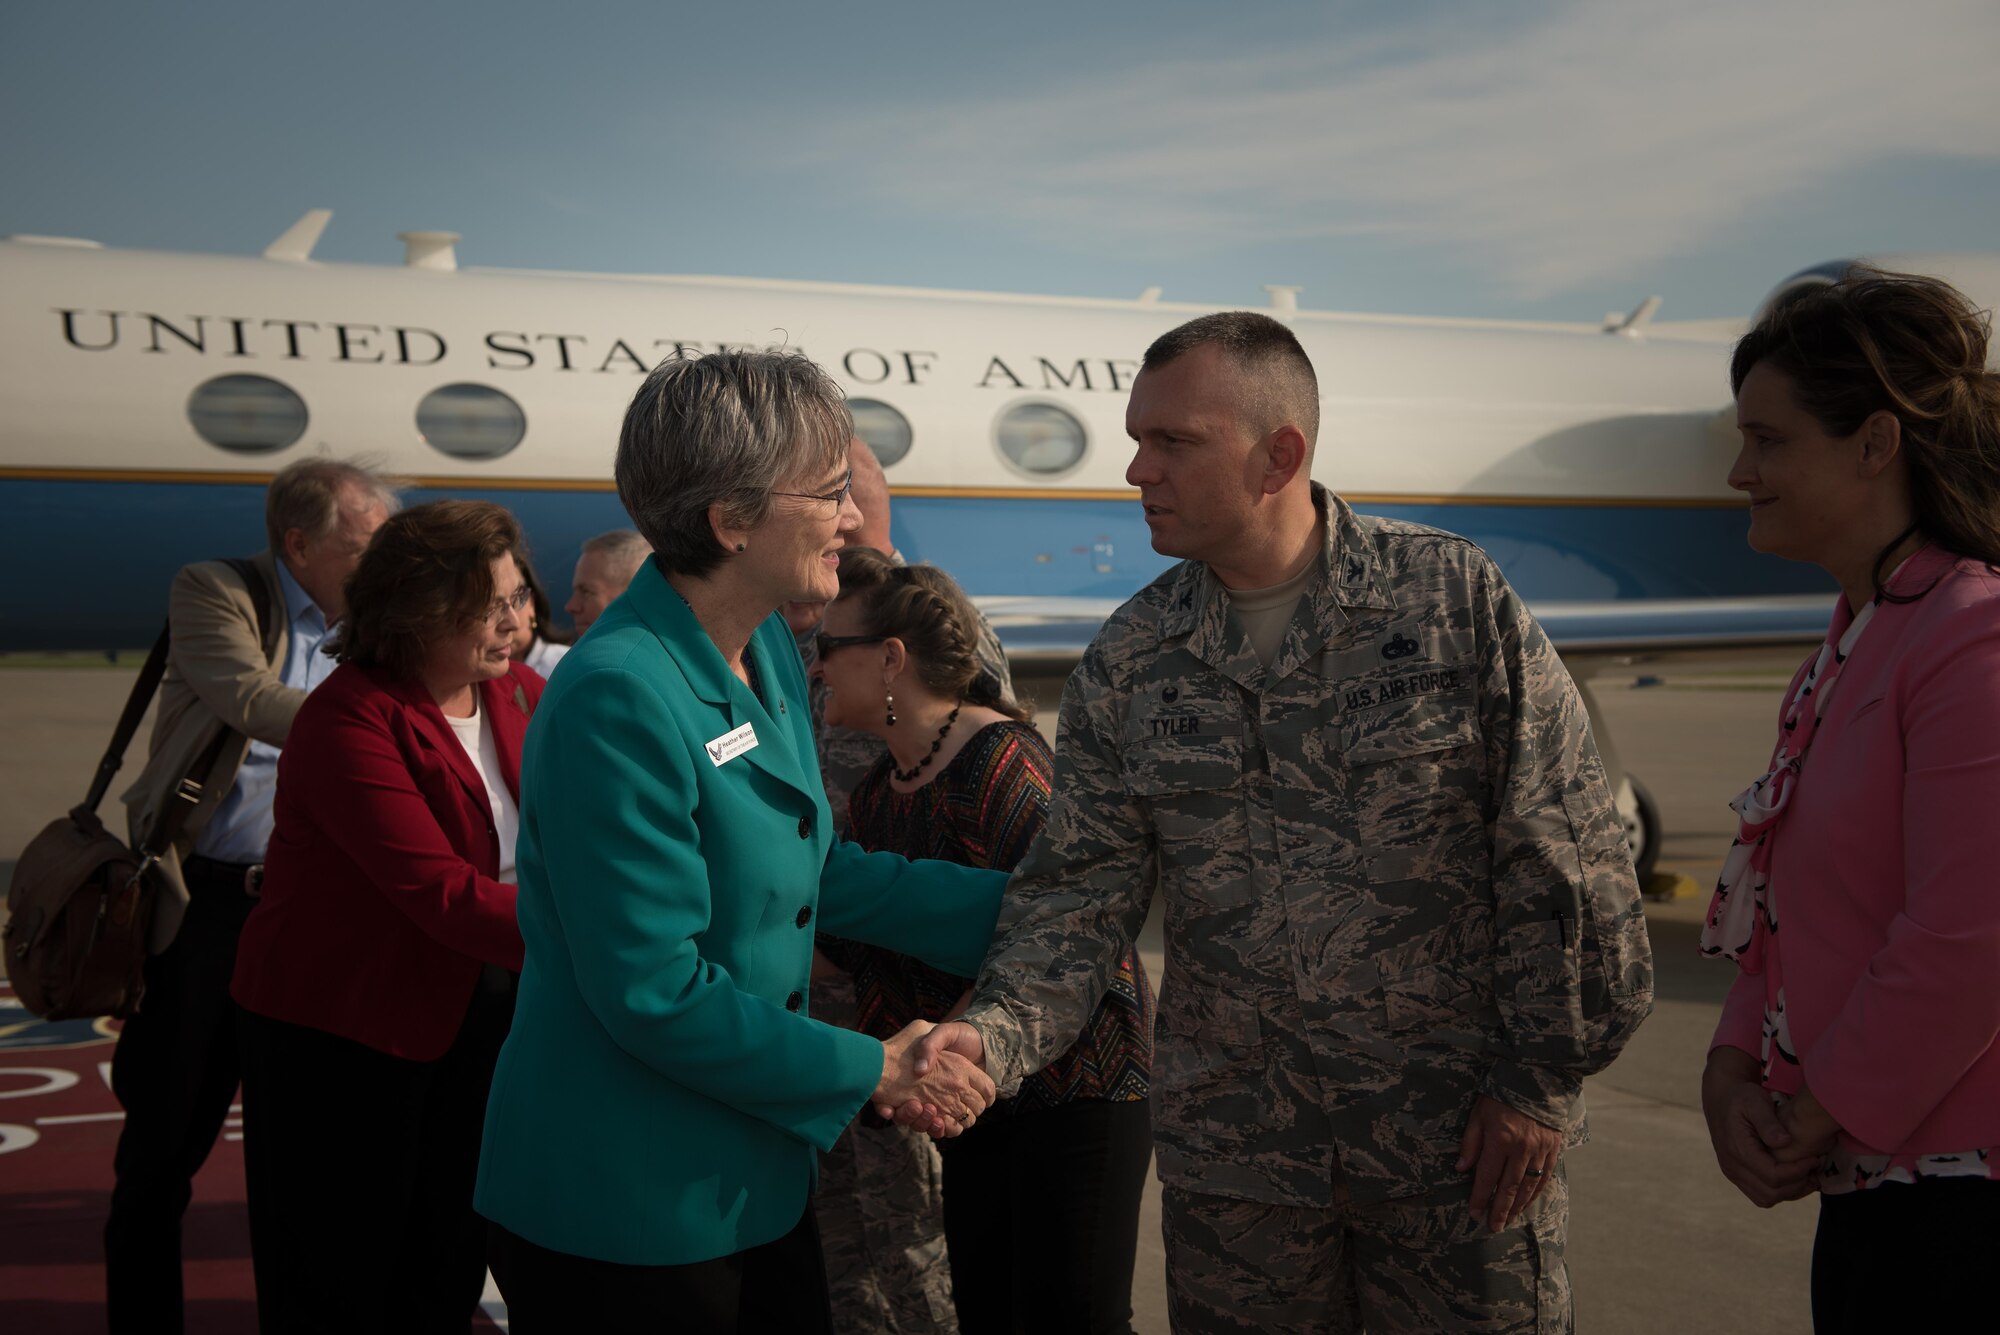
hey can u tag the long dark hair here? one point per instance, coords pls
(925, 609)
(544, 627)
(1914, 347)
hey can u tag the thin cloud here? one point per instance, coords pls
(1600, 137)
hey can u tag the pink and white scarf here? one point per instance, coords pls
(1743, 913)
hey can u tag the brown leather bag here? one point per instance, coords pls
(81, 902)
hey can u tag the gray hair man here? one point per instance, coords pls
(228, 676)
(603, 572)
(1402, 924)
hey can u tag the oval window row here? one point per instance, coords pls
(254, 414)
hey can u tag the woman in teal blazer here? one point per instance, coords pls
(652, 1130)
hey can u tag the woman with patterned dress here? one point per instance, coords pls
(1041, 1197)
(1857, 1054)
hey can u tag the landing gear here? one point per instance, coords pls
(1641, 816)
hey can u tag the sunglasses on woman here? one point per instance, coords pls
(826, 644)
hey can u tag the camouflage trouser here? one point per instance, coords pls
(1420, 1264)
(881, 1217)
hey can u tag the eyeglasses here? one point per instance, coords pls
(514, 601)
(826, 644)
(837, 497)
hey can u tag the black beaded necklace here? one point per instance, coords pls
(905, 775)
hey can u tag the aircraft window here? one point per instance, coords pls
(886, 430)
(247, 414)
(1040, 438)
(470, 421)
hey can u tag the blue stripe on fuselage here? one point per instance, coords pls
(89, 562)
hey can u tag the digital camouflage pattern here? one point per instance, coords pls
(880, 1209)
(1394, 877)
(879, 1203)
(1407, 1266)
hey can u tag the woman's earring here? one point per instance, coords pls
(742, 546)
(891, 699)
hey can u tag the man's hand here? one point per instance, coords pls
(1747, 1133)
(1811, 1127)
(1511, 1157)
(952, 1036)
(940, 1093)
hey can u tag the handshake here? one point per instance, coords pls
(933, 1078)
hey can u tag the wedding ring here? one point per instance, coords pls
(1531, 1172)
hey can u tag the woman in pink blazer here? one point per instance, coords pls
(1857, 1052)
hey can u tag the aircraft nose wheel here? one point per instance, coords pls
(1641, 815)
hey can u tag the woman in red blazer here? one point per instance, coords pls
(376, 976)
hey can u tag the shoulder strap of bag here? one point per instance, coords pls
(187, 793)
(128, 723)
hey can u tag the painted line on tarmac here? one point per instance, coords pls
(78, 1119)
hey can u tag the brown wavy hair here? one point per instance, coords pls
(427, 575)
(925, 609)
(1916, 348)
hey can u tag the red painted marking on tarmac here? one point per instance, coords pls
(56, 1141)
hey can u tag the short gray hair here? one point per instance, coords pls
(723, 429)
(306, 496)
(623, 546)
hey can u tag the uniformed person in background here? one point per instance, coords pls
(880, 1198)
(1401, 920)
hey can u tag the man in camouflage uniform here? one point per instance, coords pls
(880, 1197)
(1401, 920)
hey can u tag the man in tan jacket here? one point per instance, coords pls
(175, 1068)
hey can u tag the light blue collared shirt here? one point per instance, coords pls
(240, 830)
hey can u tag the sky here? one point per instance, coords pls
(1548, 159)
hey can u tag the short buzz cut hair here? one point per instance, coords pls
(728, 429)
(1287, 390)
(623, 546)
(306, 496)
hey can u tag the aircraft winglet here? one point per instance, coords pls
(1633, 325)
(296, 245)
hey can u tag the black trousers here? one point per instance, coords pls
(1041, 1217)
(1904, 1256)
(778, 1288)
(175, 1071)
(360, 1167)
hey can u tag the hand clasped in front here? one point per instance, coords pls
(943, 1098)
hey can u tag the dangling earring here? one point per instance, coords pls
(891, 699)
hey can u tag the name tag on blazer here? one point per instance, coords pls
(732, 744)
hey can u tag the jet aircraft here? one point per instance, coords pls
(146, 397)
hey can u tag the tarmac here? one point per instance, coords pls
(1659, 1242)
